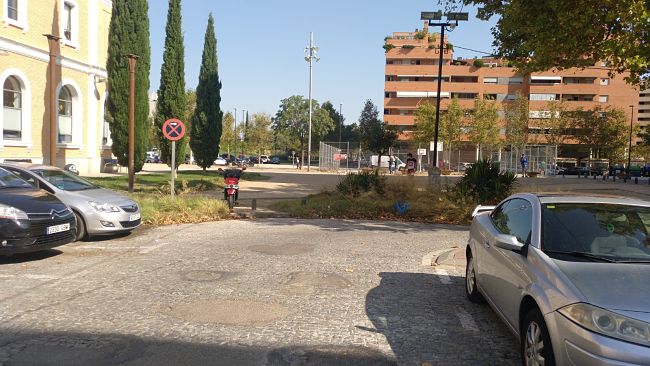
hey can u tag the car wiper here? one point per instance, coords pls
(580, 255)
(635, 261)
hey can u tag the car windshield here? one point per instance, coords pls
(613, 232)
(10, 180)
(64, 180)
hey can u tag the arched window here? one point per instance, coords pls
(12, 109)
(65, 115)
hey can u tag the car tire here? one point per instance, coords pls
(81, 227)
(470, 282)
(536, 347)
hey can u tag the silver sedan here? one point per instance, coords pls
(98, 211)
(569, 275)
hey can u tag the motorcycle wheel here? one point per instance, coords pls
(231, 201)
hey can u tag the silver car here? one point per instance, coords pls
(569, 275)
(98, 211)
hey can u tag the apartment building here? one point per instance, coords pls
(411, 77)
(79, 80)
(644, 109)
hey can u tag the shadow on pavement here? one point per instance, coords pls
(427, 322)
(71, 349)
(339, 225)
(29, 257)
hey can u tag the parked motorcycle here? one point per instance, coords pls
(231, 186)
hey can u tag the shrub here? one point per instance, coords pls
(450, 46)
(478, 63)
(365, 181)
(483, 183)
(388, 47)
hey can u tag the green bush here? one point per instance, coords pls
(388, 47)
(354, 184)
(478, 63)
(483, 183)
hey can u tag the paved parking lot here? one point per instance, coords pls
(266, 292)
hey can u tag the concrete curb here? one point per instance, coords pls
(450, 257)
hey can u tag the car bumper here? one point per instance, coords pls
(576, 346)
(22, 236)
(106, 223)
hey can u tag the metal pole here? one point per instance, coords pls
(341, 122)
(435, 133)
(629, 150)
(311, 60)
(347, 160)
(236, 137)
(53, 42)
(173, 167)
(132, 62)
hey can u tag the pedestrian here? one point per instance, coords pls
(524, 163)
(391, 164)
(411, 163)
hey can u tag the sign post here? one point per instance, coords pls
(173, 129)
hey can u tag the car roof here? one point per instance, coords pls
(545, 198)
(29, 166)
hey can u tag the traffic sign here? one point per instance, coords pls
(339, 157)
(173, 129)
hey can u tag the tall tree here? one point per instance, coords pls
(567, 34)
(206, 121)
(604, 131)
(259, 134)
(228, 133)
(292, 121)
(484, 131)
(425, 123)
(376, 136)
(128, 34)
(451, 125)
(171, 94)
(555, 123)
(516, 119)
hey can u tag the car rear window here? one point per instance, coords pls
(10, 180)
(619, 232)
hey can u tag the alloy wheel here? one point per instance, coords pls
(534, 347)
(470, 276)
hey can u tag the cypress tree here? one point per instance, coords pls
(171, 94)
(128, 34)
(206, 122)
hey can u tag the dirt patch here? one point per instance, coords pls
(285, 249)
(306, 283)
(229, 312)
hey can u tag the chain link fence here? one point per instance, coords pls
(542, 159)
(339, 156)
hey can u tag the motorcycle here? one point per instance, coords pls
(231, 186)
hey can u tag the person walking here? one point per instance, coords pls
(524, 163)
(297, 163)
(411, 163)
(391, 164)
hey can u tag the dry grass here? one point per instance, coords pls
(163, 210)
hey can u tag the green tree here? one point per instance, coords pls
(516, 120)
(171, 94)
(449, 128)
(375, 135)
(206, 121)
(259, 134)
(425, 123)
(291, 122)
(338, 120)
(604, 131)
(451, 125)
(484, 131)
(228, 133)
(128, 34)
(555, 123)
(564, 34)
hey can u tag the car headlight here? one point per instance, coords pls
(104, 207)
(608, 323)
(12, 213)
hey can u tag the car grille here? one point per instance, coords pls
(130, 208)
(38, 230)
(64, 237)
(130, 224)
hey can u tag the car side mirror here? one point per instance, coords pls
(509, 242)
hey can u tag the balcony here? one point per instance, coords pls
(399, 120)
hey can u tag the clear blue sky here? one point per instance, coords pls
(260, 46)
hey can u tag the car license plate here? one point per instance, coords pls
(58, 229)
(134, 217)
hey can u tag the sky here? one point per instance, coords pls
(261, 43)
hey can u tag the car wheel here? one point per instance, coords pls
(536, 347)
(81, 227)
(470, 282)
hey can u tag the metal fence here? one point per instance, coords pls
(337, 156)
(541, 159)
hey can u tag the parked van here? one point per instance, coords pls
(399, 164)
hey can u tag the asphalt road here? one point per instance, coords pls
(265, 292)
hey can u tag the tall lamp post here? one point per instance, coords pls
(629, 149)
(244, 122)
(311, 50)
(452, 21)
(53, 42)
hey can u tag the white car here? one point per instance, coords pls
(220, 161)
(264, 159)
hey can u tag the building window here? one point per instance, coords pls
(547, 97)
(603, 98)
(604, 81)
(15, 13)
(70, 23)
(67, 21)
(12, 109)
(490, 80)
(65, 115)
(12, 9)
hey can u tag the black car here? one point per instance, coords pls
(275, 160)
(580, 170)
(31, 219)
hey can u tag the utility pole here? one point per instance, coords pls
(53, 42)
(236, 137)
(629, 149)
(340, 122)
(132, 62)
(312, 50)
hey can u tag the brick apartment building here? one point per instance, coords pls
(411, 79)
(644, 109)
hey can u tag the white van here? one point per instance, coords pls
(384, 162)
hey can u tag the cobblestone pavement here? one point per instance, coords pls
(266, 292)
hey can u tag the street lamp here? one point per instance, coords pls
(242, 136)
(629, 149)
(312, 50)
(452, 21)
(341, 122)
